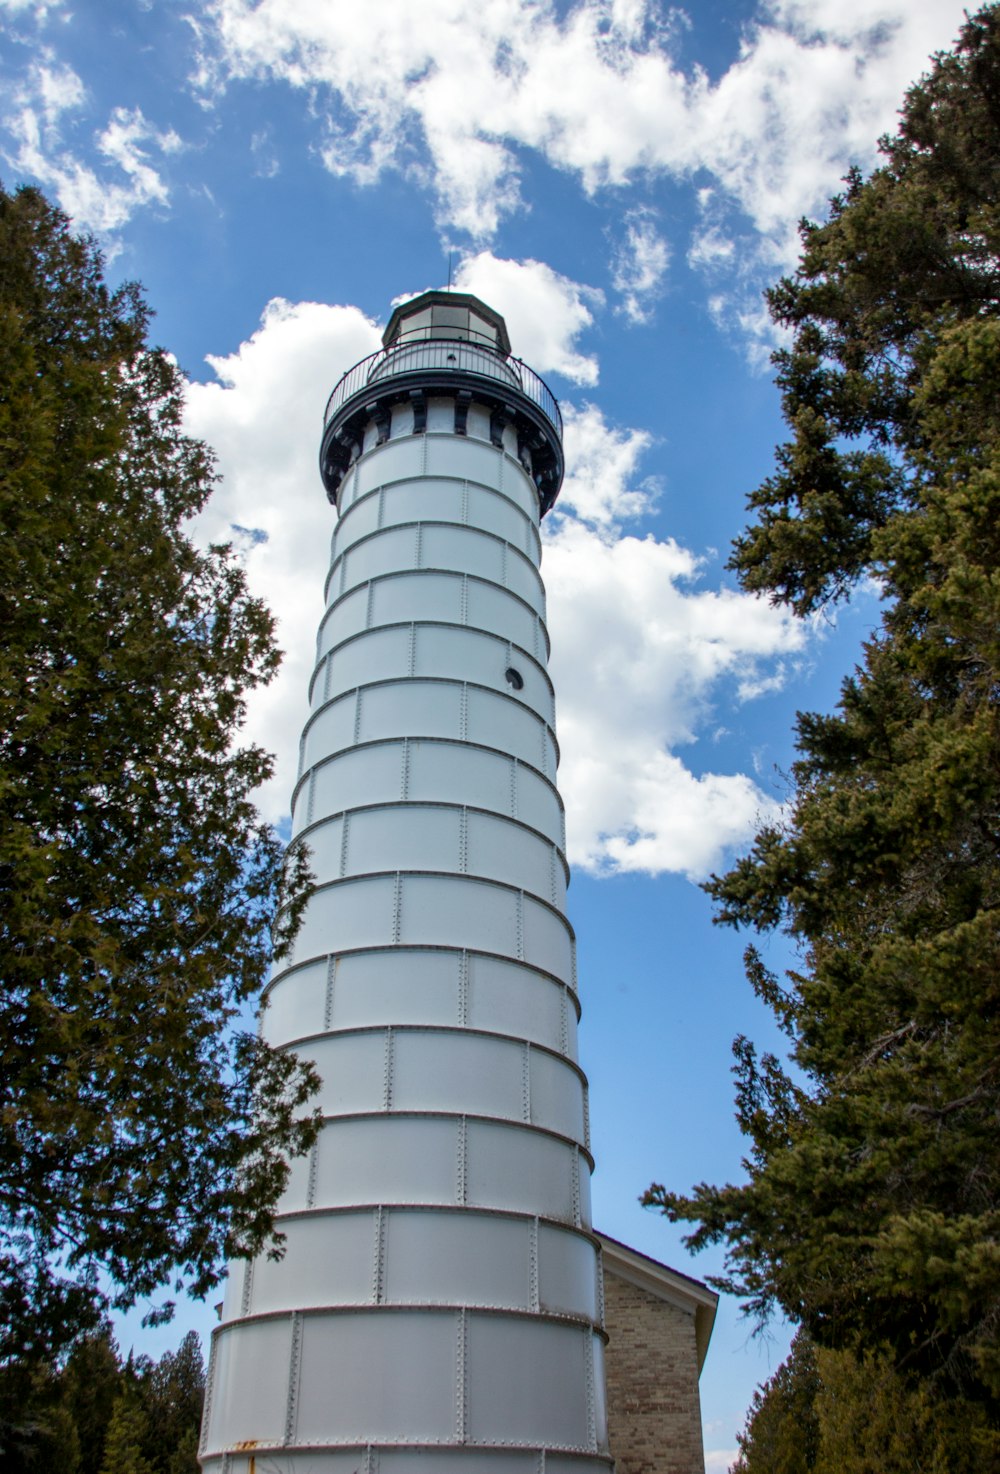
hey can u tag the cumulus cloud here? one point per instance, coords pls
(642, 649)
(639, 265)
(96, 201)
(640, 655)
(600, 488)
(263, 415)
(544, 311)
(458, 92)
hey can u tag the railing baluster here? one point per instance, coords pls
(437, 353)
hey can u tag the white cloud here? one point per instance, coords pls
(39, 8)
(719, 1460)
(640, 264)
(595, 90)
(545, 312)
(601, 464)
(640, 654)
(640, 650)
(95, 202)
(263, 416)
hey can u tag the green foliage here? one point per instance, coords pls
(90, 1385)
(782, 1433)
(831, 1412)
(871, 1213)
(94, 1414)
(127, 1433)
(142, 1135)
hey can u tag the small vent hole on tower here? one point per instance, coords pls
(514, 678)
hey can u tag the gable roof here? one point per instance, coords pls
(669, 1285)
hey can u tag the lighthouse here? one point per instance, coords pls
(438, 1305)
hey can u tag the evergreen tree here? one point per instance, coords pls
(781, 1436)
(872, 1207)
(173, 1395)
(831, 1412)
(90, 1385)
(142, 1135)
(127, 1434)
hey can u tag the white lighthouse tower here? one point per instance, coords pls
(438, 1309)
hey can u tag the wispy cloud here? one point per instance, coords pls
(639, 265)
(457, 92)
(102, 201)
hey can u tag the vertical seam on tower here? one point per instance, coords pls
(328, 662)
(390, 1051)
(343, 574)
(423, 465)
(465, 502)
(313, 1173)
(357, 714)
(599, 1271)
(331, 976)
(503, 565)
(463, 841)
(418, 551)
(588, 1362)
(464, 611)
(370, 609)
(564, 1020)
(291, 1406)
(345, 827)
(247, 1291)
(209, 1387)
(380, 522)
(397, 907)
(513, 787)
(463, 714)
(404, 777)
(412, 659)
(378, 1260)
(460, 1359)
(534, 1300)
(520, 926)
(311, 797)
(576, 1189)
(586, 1117)
(302, 755)
(463, 988)
(462, 1174)
(526, 1083)
(552, 875)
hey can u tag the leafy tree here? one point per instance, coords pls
(871, 1213)
(142, 1134)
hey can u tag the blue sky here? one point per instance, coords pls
(621, 179)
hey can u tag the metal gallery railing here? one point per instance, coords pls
(446, 356)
